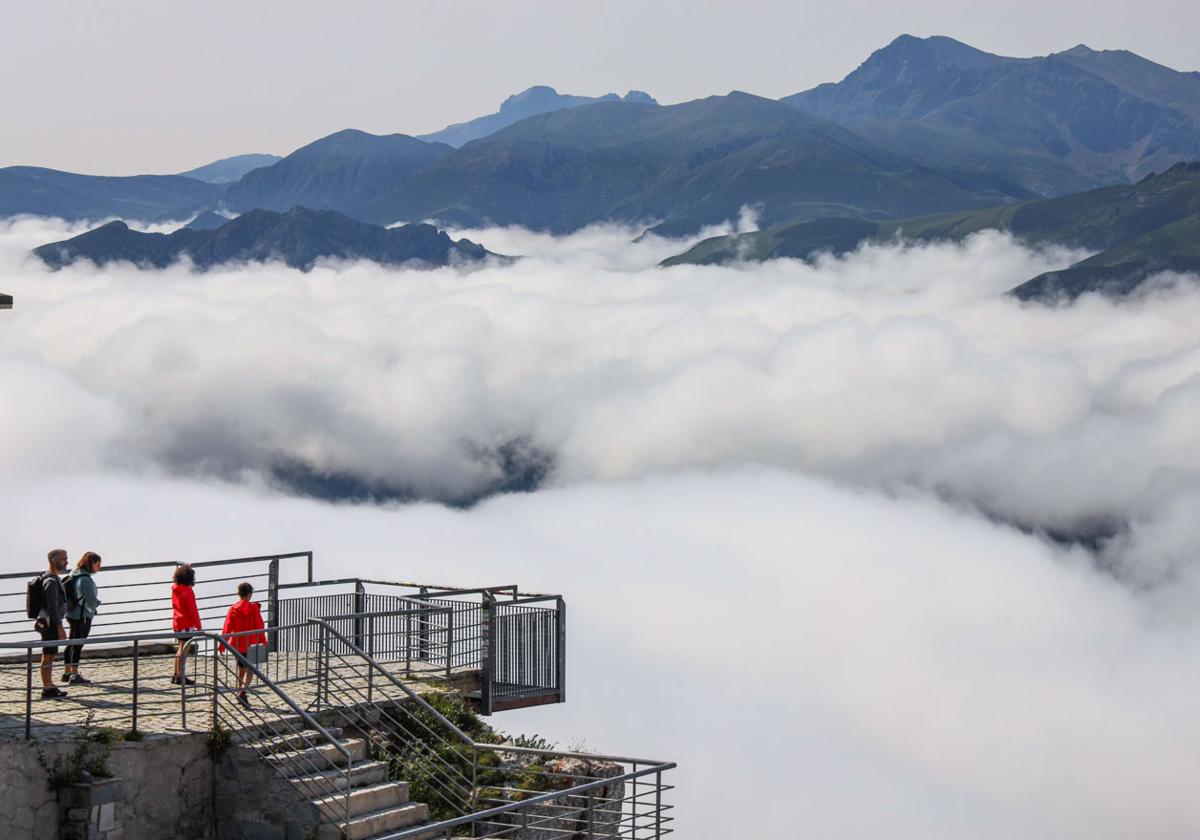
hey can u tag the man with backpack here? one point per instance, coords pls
(46, 601)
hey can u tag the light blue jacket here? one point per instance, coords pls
(86, 592)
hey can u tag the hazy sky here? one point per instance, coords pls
(134, 86)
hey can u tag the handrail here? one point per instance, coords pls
(466, 739)
(161, 564)
(652, 767)
(308, 719)
(134, 637)
(567, 754)
(532, 801)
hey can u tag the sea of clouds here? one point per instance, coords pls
(799, 511)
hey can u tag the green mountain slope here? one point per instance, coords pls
(689, 165)
(1120, 270)
(1138, 229)
(1096, 219)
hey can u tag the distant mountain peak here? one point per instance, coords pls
(529, 96)
(940, 48)
(1018, 128)
(531, 102)
(227, 170)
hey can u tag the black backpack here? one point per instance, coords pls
(70, 588)
(35, 596)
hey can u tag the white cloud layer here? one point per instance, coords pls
(762, 507)
(822, 662)
(892, 367)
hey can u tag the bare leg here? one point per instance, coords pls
(179, 657)
(47, 670)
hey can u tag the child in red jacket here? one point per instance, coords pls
(244, 617)
(184, 617)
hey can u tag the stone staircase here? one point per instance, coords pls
(377, 806)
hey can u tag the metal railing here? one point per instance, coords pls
(137, 596)
(516, 644)
(275, 725)
(434, 756)
(484, 789)
(523, 793)
(282, 733)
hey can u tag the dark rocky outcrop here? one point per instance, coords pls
(298, 238)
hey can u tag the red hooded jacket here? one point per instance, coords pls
(183, 606)
(243, 616)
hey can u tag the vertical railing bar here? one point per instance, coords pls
(273, 603)
(29, 692)
(134, 712)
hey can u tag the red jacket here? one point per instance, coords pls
(183, 605)
(243, 616)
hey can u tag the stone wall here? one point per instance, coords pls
(166, 780)
(253, 802)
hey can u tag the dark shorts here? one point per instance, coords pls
(50, 634)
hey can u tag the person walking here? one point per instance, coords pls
(82, 602)
(185, 618)
(243, 618)
(49, 623)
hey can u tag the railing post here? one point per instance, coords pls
(134, 722)
(658, 805)
(370, 670)
(273, 601)
(487, 671)
(322, 661)
(560, 658)
(183, 671)
(449, 638)
(360, 607)
(591, 815)
(28, 693)
(216, 665)
(408, 642)
(634, 800)
(423, 628)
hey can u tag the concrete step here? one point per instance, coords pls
(362, 774)
(373, 824)
(293, 741)
(315, 759)
(364, 800)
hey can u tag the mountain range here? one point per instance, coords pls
(298, 238)
(1137, 230)
(923, 127)
(1018, 127)
(687, 165)
(539, 99)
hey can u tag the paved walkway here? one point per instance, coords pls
(162, 707)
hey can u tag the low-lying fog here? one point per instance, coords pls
(796, 510)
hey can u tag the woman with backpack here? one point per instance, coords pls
(82, 603)
(185, 618)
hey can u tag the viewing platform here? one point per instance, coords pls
(362, 715)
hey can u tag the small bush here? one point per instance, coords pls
(220, 740)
